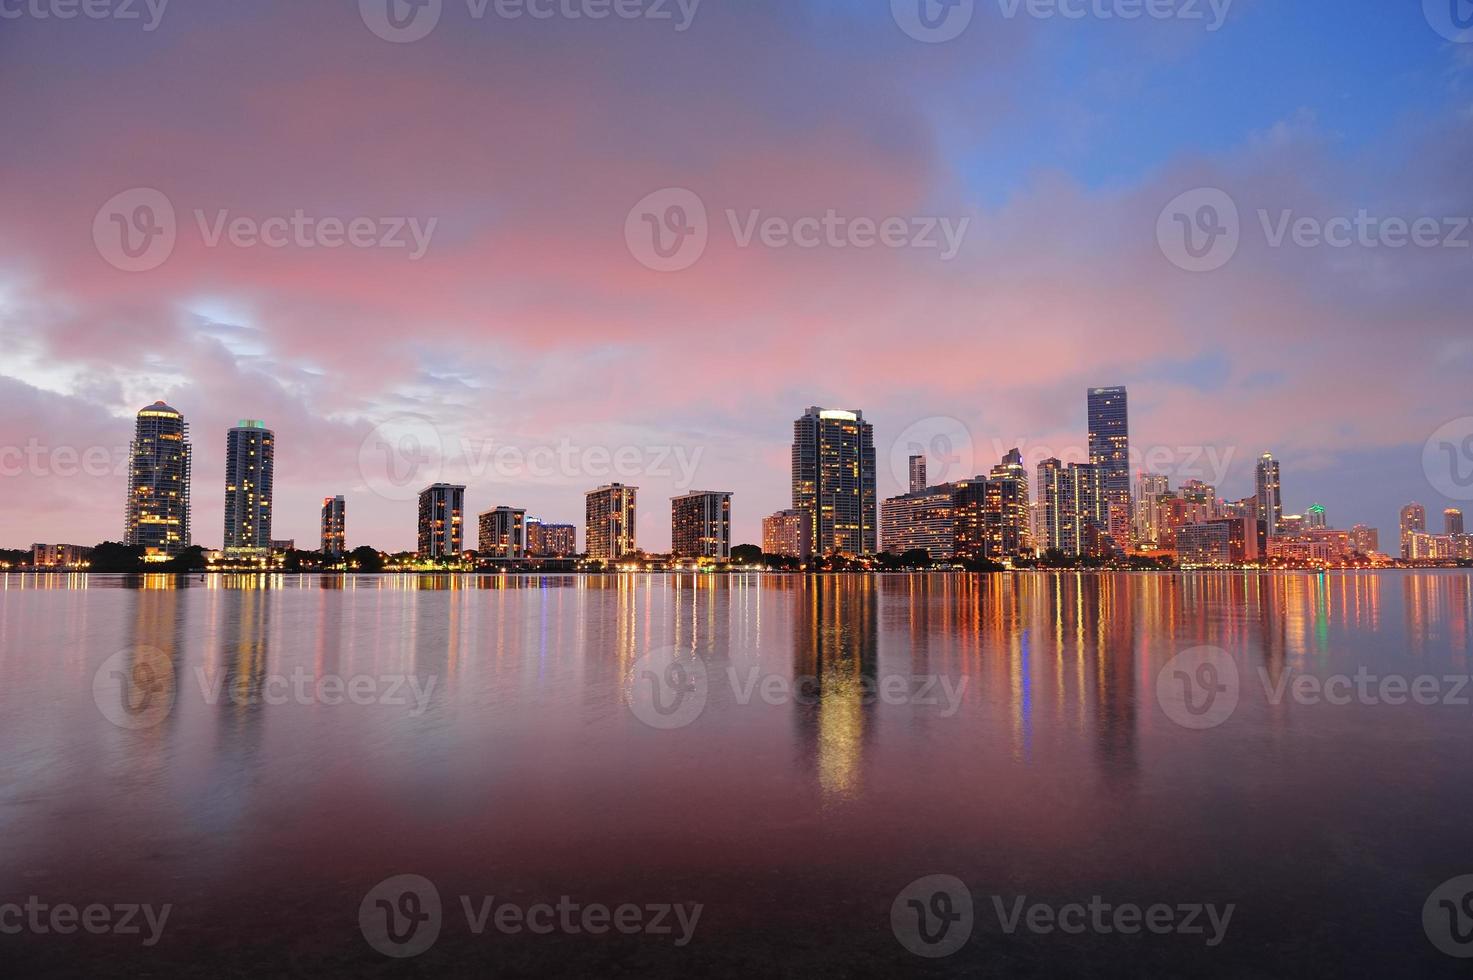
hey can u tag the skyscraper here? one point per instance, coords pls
(700, 524)
(1452, 521)
(920, 520)
(1316, 517)
(157, 511)
(503, 533)
(250, 463)
(917, 474)
(610, 522)
(1109, 444)
(1007, 509)
(1413, 522)
(834, 480)
(334, 525)
(1149, 489)
(1268, 494)
(441, 521)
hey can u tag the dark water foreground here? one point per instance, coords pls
(1036, 774)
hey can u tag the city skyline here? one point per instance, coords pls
(1005, 522)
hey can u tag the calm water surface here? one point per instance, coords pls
(512, 736)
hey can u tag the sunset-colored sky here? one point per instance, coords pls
(525, 340)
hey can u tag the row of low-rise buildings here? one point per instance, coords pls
(700, 524)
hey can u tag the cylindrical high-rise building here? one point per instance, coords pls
(250, 463)
(157, 511)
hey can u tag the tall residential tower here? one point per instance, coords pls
(157, 512)
(834, 480)
(250, 463)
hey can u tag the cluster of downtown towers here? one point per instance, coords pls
(1080, 508)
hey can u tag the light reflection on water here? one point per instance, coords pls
(519, 759)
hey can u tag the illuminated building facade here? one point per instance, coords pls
(1149, 489)
(1074, 518)
(923, 520)
(788, 532)
(502, 533)
(157, 512)
(250, 464)
(1007, 517)
(609, 528)
(334, 525)
(1413, 521)
(1268, 493)
(917, 474)
(1452, 521)
(1364, 539)
(550, 540)
(700, 524)
(441, 521)
(59, 555)
(1109, 445)
(833, 469)
(1316, 516)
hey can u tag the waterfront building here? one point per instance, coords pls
(700, 524)
(1109, 446)
(441, 520)
(1268, 493)
(1075, 519)
(788, 532)
(1413, 521)
(1452, 521)
(59, 555)
(833, 480)
(1365, 539)
(921, 520)
(334, 525)
(609, 527)
(157, 511)
(917, 474)
(502, 534)
(250, 464)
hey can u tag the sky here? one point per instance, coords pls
(537, 254)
